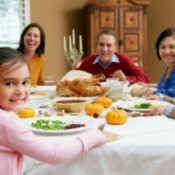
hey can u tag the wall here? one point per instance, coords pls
(161, 15)
(58, 17)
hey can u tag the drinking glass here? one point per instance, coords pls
(115, 88)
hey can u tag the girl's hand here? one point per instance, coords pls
(110, 136)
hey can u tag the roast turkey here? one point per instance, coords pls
(80, 83)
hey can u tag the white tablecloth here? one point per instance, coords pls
(146, 147)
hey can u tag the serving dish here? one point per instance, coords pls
(71, 104)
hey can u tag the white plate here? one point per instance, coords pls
(37, 97)
(36, 101)
(128, 89)
(130, 104)
(89, 122)
(43, 88)
(49, 90)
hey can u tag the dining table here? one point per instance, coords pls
(146, 146)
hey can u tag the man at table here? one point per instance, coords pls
(110, 63)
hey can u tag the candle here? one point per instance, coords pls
(70, 43)
(73, 37)
(65, 44)
(80, 44)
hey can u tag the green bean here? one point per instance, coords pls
(49, 124)
(143, 106)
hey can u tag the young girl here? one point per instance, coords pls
(15, 138)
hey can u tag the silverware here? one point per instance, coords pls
(47, 105)
(101, 127)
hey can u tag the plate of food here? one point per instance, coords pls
(56, 125)
(141, 105)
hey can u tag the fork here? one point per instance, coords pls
(101, 127)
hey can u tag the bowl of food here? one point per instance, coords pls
(71, 104)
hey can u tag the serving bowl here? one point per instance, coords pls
(71, 104)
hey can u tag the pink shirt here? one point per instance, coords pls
(16, 140)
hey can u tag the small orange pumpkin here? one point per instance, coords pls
(105, 101)
(26, 113)
(93, 109)
(116, 117)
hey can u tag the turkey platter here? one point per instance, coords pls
(80, 83)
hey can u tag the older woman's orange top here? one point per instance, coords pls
(36, 67)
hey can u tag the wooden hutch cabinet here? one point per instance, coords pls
(127, 18)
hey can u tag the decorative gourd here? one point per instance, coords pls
(94, 109)
(116, 116)
(26, 113)
(105, 101)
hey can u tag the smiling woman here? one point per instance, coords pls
(32, 45)
(165, 49)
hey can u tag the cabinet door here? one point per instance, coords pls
(131, 33)
(129, 24)
(100, 18)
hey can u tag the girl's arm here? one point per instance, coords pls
(19, 138)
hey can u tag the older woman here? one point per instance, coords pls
(165, 49)
(32, 45)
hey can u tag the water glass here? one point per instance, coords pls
(115, 89)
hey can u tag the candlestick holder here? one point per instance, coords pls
(73, 57)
